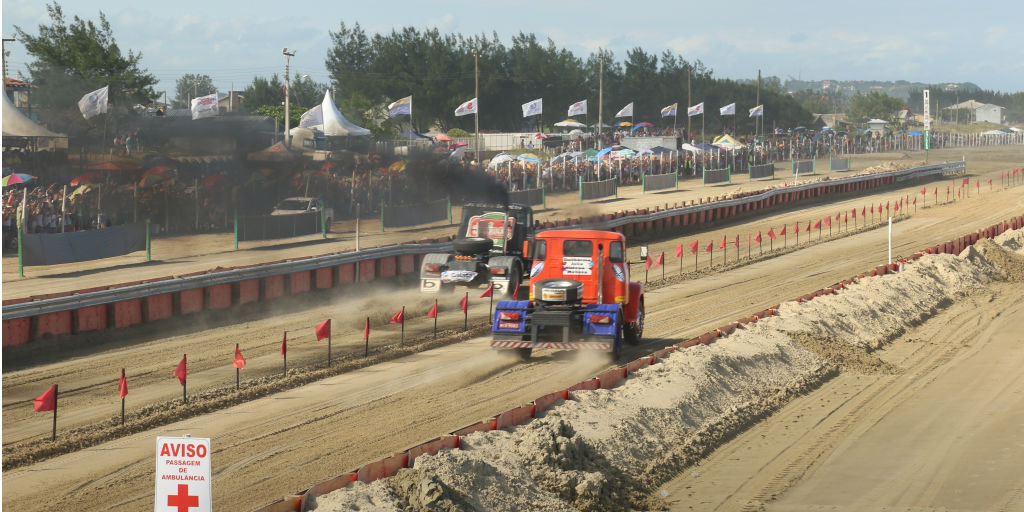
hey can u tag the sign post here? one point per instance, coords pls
(927, 124)
(183, 475)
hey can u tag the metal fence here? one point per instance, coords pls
(93, 244)
(838, 164)
(598, 189)
(804, 167)
(532, 197)
(659, 181)
(271, 227)
(762, 171)
(723, 175)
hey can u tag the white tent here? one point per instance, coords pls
(16, 124)
(335, 124)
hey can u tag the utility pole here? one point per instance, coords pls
(287, 93)
(600, 96)
(757, 101)
(476, 114)
(3, 52)
(689, 100)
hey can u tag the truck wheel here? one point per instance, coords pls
(524, 353)
(472, 245)
(616, 352)
(515, 280)
(635, 330)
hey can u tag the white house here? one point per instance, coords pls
(877, 125)
(989, 113)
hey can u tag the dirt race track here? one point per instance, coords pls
(801, 458)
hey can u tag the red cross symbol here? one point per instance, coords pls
(182, 500)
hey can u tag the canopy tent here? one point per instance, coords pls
(335, 124)
(16, 124)
(570, 123)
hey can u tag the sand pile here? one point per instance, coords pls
(608, 449)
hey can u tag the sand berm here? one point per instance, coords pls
(609, 449)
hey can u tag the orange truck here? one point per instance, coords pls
(581, 297)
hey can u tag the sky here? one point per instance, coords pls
(234, 41)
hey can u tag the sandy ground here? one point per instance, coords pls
(279, 444)
(184, 254)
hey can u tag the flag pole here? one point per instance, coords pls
(435, 318)
(465, 314)
(329, 342)
(53, 437)
(237, 371)
(122, 399)
(402, 342)
(366, 353)
(284, 351)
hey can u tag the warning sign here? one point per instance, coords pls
(183, 475)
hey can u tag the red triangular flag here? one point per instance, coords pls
(872, 209)
(433, 311)
(924, 191)
(771, 233)
(122, 385)
(399, 317)
(808, 228)
(797, 228)
(846, 217)
(239, 360)
(828, 222)
(896, 206)
(679, 250)
(464, 303)
(990, 182)
(722, 245)
(783, 232)
(758, 237)
(323, 330)
(817, 225)
(366, 329)
(887, 206)
(936, 192)
(854, 211)
(914, 202)
(863, 209)
(661, 258)
(710, 247)
(46, 401)
(488, 292)
(967, 181)
(694, 246)
(737, 242)
(284, 343)
(182, 370)
(837, 218)
(649, 263)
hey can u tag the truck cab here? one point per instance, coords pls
(580, 296)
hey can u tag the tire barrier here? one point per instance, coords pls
(73, 312)
(762, 171)
(401, 216)
(532, 197)
(838, 164)
(598, 189)
(272, 227)
(659, 182)
(804, 167)
(93, 244)
(608, 379)
(717, 176)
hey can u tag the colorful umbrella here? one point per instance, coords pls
(623, 123)
(89, 177)
(528, 158)
(645, 124)
(15, 178)
(114, 166)
(398, 166)
(443, 138)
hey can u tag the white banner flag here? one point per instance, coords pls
(626, 111)
(757, 111)
(466, 108)
(695, 110)
(204, 106)
(728, 110)
(580, 107)
(94, 103)
(312, 117)
(669, 110)
(533, 108)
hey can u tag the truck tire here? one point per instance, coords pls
(635, 330)
(616, 352)
(524, 353)
(515, 280)
(558, 291)
(472, 245)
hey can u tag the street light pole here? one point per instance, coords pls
(287, 86)
(476, 115)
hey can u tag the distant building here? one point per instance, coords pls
(989, 113)
(877, 125)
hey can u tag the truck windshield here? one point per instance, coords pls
(293, 204)
(577, 248)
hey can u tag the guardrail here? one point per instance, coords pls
(84, 310)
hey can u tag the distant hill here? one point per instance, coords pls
(900, 89)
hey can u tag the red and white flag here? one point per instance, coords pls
(433, 311)
(204, 106)
(466, 108)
